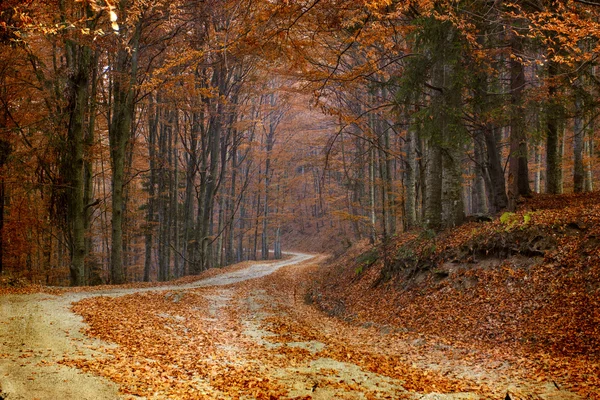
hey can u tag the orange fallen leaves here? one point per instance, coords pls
(525, 291)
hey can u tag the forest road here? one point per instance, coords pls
(249, 332)
(37, 330)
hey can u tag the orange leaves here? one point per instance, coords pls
(522, 290)
(147, 329)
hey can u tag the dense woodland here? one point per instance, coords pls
(151, 139)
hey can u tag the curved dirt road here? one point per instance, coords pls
(231, 337)
(38, 330)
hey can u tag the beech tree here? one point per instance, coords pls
(151, 140)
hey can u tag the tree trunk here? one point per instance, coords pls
(209, 182)
(191, 171)
(487, 138)
(578, 168)
(432, 215)
(277, 244)
(410, 200)
(588, 149)
(74, 167)
(552, 134)
(385, 173)
(265, 220)
(372, 196)
(518, 181)
(478, 188)
(124, 79)
(177, 262)
(452, 190)
(231, 203)
(165, 183)
(92, 270)
(537, 177)
(5, 150)
(150, 217)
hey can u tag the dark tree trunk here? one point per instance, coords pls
(5, 150)
(124, 79)
(518, 180)
(150, 212)
(497, 198)
(553, 164)
(578, 146)
(79, 59)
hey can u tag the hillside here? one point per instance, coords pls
(523, 289)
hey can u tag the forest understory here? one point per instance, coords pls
(517, 315)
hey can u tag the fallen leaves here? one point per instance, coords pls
(524, 290)
(459, 329)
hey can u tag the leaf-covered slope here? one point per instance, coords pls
(525, 287)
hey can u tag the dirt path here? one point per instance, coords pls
(38, 330)
(228, 336)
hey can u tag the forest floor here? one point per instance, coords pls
(516, 297)
(247, 331)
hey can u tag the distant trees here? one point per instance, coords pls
(475, 88)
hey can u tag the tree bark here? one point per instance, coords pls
(410, 201)
(79, 61)
(588, 149)
(553, 164)
(124, 79)
(150, 212)
(5, 150)
(518, 180)
(432, 215)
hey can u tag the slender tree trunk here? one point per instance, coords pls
(273, 121)
(240, 253)
(92, 269)
(588, 149)
(220, 253)
(165, 181)
(177, 262)
(434, 196)
(385, 172)
(257, 203)
(410, 200)
(487, 140)
(578, 167)
(561, 155)
(552, 135)
(537, 179)
(432, 216)
(150, 217)
(265, 220)
(277, 244)
(191, 172)
(231, 204)
(479, 204)
(372, 196)
(4, 153)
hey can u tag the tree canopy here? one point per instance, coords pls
(146, 139)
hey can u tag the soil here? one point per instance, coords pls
(246, 333)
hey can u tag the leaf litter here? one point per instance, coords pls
(471, 323)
